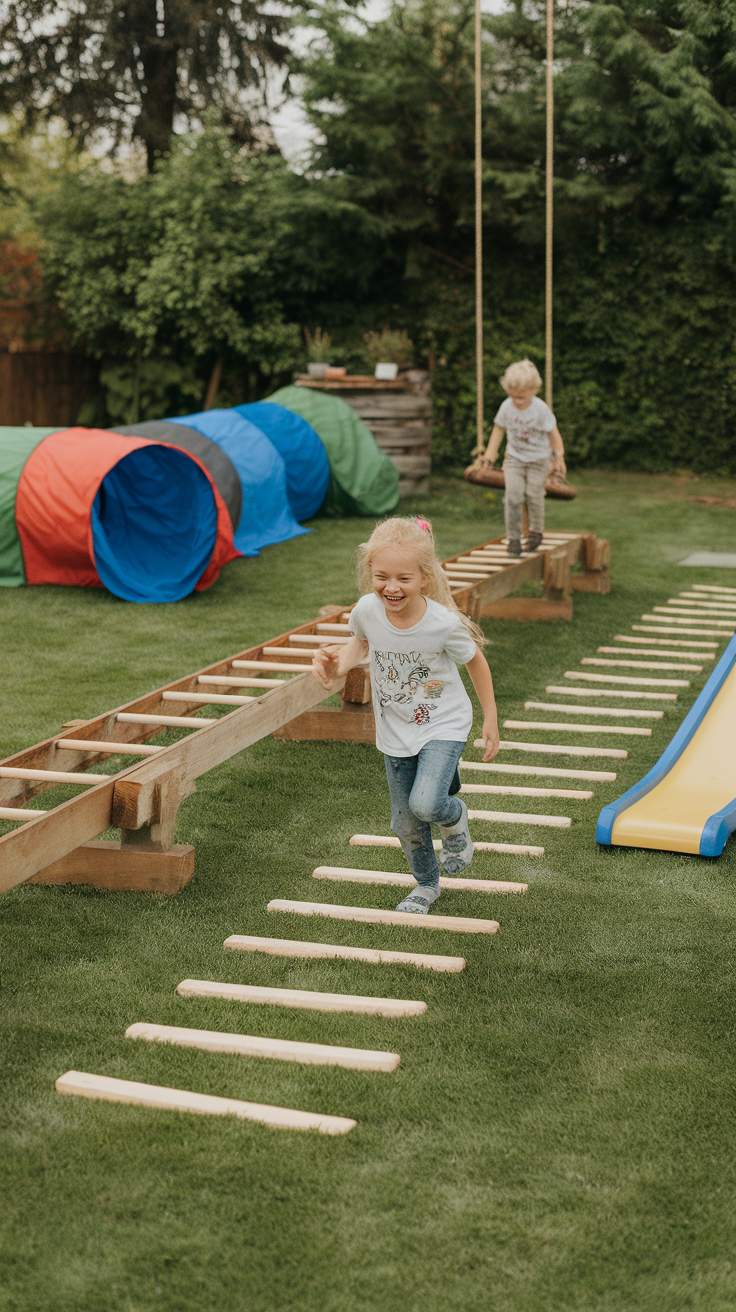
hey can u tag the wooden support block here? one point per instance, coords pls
(596, 553)
(507, 790)
(557, 750)
(230, 681)
(510, 849)
(659, 628)
(666, 642)
(307, 999)
(209, 698)
(634, 681)
(625, 712)
(343, 874)
(52, 776)
(652, 651)
(548, 771)
(285, 947)
(599, 582)
(19, 813)
(272, 665)
(612, 692)
(377, 916)
(122, 869)
(166, 721)
(528, 609)
(328, 724)
(640, 665)
(557, 576)
(514, 818)
(251, 1045)
(357, 688)
(576, 728)
(107, 748)
(80, 1084)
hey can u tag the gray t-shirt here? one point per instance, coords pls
(418, 695)
(526, 430)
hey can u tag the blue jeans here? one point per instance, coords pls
(422, 789)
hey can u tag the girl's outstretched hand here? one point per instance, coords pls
(491, 742)
(325, 667)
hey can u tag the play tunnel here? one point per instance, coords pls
(144, 518)
(302, 451)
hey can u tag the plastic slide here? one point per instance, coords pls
(687, 802)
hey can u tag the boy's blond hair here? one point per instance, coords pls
(416, 535)
(522, 373)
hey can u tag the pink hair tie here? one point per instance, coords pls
(422, 523)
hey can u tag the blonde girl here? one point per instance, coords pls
(409, 626)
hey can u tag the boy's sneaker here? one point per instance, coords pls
(457, 845)
(514, 547)
(533, 541)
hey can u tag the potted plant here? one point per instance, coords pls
(319, 346)
(388, 351)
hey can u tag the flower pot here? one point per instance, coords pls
(316, 369)
(335, 371)
(386, 372)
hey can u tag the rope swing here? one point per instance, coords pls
(548, 201)
(478, 237)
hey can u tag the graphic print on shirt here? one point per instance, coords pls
(396, 684)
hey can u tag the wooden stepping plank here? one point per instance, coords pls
(318, 640)
(662, 628)
(286, 947)
(576, 728)
(666, 642)
(290, 651)
(625, 712)
(80, 1084)
(110, 748)
(627, 678)
(612, 692)
(18, 813)
(333, 628)
(233, 681)
(52, 776)
(166, 721)
(388, 840)
(704, 611)
(521, 818)
(714, 603)
(671, 617)
(343, 873)
(271, 665)
(209, 698)
(377, 916)
(307, 999)
(711, 587)
(652, 651)
(251, 1045)
(556, 750)
(508, 790)
(548, 771)
(640, 665)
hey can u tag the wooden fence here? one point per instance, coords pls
(44, 388)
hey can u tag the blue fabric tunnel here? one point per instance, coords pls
(303, 452)
(266, 516)
(154, 525)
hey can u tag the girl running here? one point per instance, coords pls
(410, 627)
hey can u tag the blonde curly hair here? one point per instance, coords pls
(522, 373)
(414, 535)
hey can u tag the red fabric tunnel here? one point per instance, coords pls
(146, 520)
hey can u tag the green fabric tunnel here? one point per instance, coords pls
(15, 448)
(363, 481)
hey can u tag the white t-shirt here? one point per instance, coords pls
(526, 430)
(418, 695)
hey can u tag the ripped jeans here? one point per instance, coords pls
(422, 789)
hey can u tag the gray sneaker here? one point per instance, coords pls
(457, 845)
(514, 547)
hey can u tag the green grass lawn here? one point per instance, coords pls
(559, 1134)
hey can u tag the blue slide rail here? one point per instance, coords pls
(719, 825)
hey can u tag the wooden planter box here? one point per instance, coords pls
(399, 415)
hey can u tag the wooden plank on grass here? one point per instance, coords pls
(547, 726)
(251, 1045)
(522, 818)
(287, 947)
(557, 749)
(701, 633)
(388, 840)
(625, 712)
(635, 682)
(344, 874)
(640, 665)
(508, 790)
(666, 642)
(630, 695)
(670, 617)
(377, 916)
(305, 999)
(81, 1084)
(544, 771)
(679, 656)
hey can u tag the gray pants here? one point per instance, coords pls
(524, 482)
